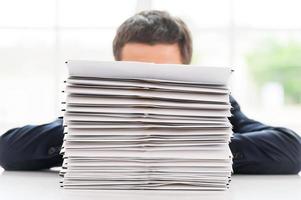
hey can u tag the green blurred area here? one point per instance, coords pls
(274, 61)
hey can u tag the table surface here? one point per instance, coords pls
(45, 185)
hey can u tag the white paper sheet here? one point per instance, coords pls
(139, 70)
(109, 101)
(160, 86)
(197, 97)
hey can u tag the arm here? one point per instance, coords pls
(32, 147)
(262, 149)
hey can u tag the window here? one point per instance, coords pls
(36, 38)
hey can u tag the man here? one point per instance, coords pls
(155, 36)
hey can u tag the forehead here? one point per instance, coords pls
(157, 53)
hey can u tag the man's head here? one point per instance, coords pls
(153, 36)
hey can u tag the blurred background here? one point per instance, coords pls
(259, 39)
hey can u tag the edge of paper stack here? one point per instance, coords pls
(132, 125)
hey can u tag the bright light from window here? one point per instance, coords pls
(37, 36)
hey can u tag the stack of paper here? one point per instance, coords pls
(132, 125)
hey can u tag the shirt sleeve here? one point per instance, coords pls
(32, 147)
(261, 149)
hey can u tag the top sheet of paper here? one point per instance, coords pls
(140, 70)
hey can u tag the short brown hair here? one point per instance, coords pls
(153, 27)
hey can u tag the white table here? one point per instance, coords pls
(45, 185)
